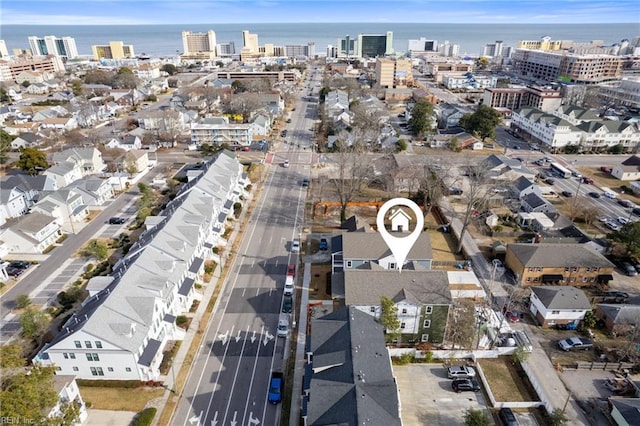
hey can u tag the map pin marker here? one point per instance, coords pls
(400, 246)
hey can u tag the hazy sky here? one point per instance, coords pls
(97, 12)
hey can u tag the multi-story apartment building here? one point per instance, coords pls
(625, 92)
(567, 264)
(218, 130)
(374, 45)
(568, 67)
(122, 328)
(513, 98)
(571, 125)
(9, 70)
(273, 75)
(469, 81)
(392, 73)
(64, 47)
(439, 69)
(198, 45)
(3, 49)
(113, 50)
(448, 49)
(492, 49)
(545, 43)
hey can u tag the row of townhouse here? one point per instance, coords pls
(574, 126)
(218, 130)
(123, 326)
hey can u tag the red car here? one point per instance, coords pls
(291, 270)
(605, 169)
(513, 316)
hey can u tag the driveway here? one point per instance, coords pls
(426, 397)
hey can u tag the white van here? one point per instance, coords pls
(283, 325)
(608, 192)
(288, 285)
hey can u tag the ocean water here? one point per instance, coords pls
(166, 40)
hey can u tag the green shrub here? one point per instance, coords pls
(22, 301)
(145, 417)
(128, 384)
(181, 320)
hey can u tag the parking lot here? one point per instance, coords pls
(426, 396)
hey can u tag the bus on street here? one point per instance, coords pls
(560, 171)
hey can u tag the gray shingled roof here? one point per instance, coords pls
(558, 255)
(30, 223)
(370, 245)
(562, 297)
(629, 408)
(366, 287)
(522, 183)
(621, 314)
(534, 200)
(352, 382)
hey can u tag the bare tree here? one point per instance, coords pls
(170, 127)
(461, 324)
(366, 118)
(475, 196)
(242, 103)
(353, 170)
(431, 178)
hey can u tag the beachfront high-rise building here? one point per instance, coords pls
(291, 50)
(422, 45)
(3, 49)
(249, 42)
(374, 45)
(113, 50)
(493, 50)
(199, 45)
(448, 49)
(64, 47)
(226, 49)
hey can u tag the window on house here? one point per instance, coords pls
(426, 324)
(65, 355)
(92, 357)
(403, 324)
(592, 280)
(575, 269)
(75, 368)
(392, 265)
(110, 369)
(94, 371)
(72, 355)
(404, 310)
(566, 269)
(587, 269)
(372, 309)
(528, 279)
(77, 343)
(531, 269)
(98, 344)
(88, 344)
(539, 269)
(128, 370)
(428, 309)
(424, 338)
(100, 372)
(555, 312)
(536, 279)
(349, 263)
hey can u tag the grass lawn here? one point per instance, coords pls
(119, 399)
(504, 381)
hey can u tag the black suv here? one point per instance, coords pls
(461, 385)
(117, 220)
(287, 305)
(507, 417)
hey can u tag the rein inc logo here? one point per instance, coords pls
(400, 219)
(9, 420)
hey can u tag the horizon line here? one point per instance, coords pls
(318, 22)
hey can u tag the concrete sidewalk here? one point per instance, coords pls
(298, 371)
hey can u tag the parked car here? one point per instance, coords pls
(295, 246)
(513, 316)
(567, 194)
(461, 385)
(117, 220)
(287, 304)
(324, 245)
(14, 272)
(507, 417)
(497, 263)
(629, 269)
(636, 211)
(20, 264)
(550, 181)
(587, 180)
(285, 163)
(461, 372)
(575, 343)
(291, 270)
(605, 169)
(275, 387)
(288, 286)
(305, 182)
(612, 225)
(623, 220)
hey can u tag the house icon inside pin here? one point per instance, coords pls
(399, 220)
